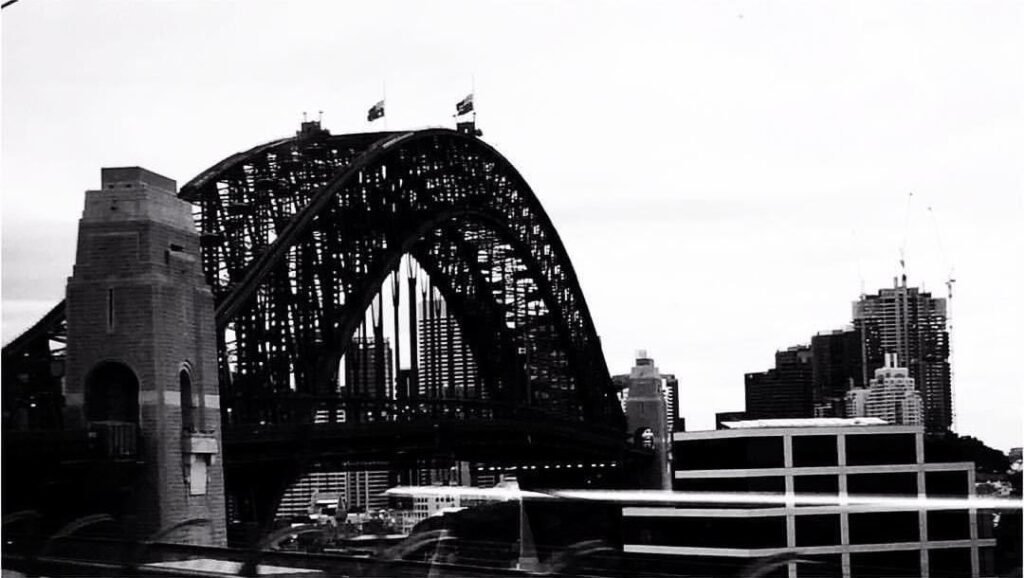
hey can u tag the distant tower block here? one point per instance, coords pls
(142, 353)
(647, 419)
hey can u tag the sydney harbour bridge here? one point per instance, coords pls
(314, 248)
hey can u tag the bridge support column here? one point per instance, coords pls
(648, 424)
(142, 354)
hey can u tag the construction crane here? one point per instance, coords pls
(950, 281)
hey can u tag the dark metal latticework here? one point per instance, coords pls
(33, 368)
(300, 234)
(299, 238)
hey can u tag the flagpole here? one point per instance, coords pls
(384, 95)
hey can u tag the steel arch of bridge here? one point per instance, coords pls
(299, 234)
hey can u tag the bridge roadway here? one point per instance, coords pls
(275, 428)
(296, 239)
(270, 441)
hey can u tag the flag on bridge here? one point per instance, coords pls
(376, 111)
(465, 105)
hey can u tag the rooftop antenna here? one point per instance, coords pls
(903, 246)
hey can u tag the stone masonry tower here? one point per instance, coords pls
(142, 354)
(647, 420)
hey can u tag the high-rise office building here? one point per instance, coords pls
(891, 396)
(669, 386)
(840, 361)
(912, 324)
(647, 419)
(368, 369)
(361, 491)
(368, 374)
(446, 364)
(671, 389)
(447, 370)
(782, 392)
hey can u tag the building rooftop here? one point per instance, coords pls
(805, 422)
(137, 178)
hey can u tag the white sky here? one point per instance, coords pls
(726, 175)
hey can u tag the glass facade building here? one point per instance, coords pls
(841, 496)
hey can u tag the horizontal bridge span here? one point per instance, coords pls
(354, 429)
(474, 440)
(299, 235)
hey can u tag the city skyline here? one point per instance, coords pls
(755, 223)
(899, 326)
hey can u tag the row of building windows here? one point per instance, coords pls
(811, 530)
(765, 532)
(942, 563)
(808, 451)
(791, 468)
(937, 484)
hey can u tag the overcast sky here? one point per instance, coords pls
(727, 176)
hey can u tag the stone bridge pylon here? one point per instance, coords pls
(141, 373)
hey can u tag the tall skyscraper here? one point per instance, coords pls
(363, 491)
(669, 387)
(368, 369)
(447, 370)
(647, 418)
(782, 392)
(840, 361)
(891, 396)
(446, 364)
(912, 324)
(368, 374)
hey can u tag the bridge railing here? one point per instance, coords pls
(114, 439)
(287, 408)
(104, 441)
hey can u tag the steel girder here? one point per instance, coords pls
(33, 368)
(299, 235)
